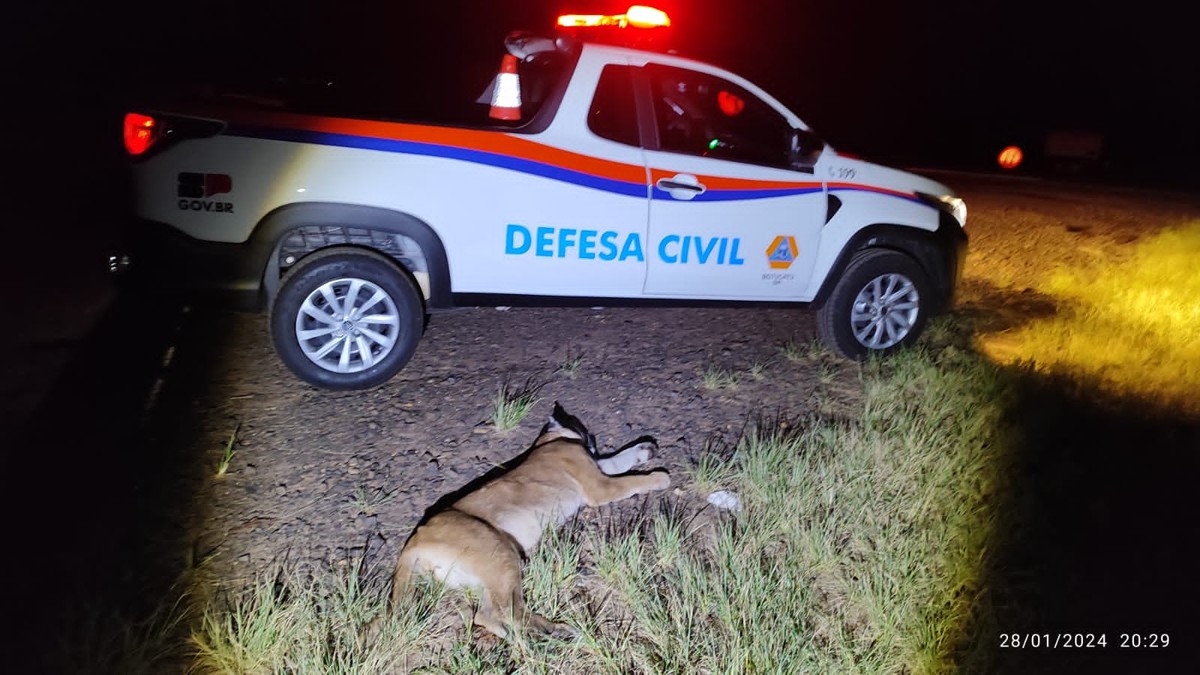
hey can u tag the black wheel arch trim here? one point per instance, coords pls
(268, 236)
(941, 253)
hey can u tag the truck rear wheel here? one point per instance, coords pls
(880, 304)
(346, 319)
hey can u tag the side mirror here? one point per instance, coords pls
(806, 148)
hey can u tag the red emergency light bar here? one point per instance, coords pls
(637, 16)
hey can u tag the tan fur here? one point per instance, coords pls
(480, 540)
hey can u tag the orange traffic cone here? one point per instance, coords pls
(506, 95)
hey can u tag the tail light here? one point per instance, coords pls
(145, 134)
(141, 132)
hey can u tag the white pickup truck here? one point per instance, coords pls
(586, 173)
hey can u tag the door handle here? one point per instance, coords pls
(681, 186)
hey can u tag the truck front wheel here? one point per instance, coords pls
(879, 305)
(346, 319)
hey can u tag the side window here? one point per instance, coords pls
(699, 114)
(613, 114)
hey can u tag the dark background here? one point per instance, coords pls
(925, 82)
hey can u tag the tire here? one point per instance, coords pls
(323, 346)
(880, 305)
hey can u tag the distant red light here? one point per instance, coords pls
(141, 131)
(1010, 157)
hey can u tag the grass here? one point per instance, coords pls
(228, 453)
(713, 469)
(367, 501)
(571, 363)
(827, 371)
(758, 370)
(512, 404)
(822, 572)
(293, 620)
(860, 548)
(715, 377)
(1131, 326)
(798, 352)
(97, 639)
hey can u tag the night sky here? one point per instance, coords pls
(923, 82)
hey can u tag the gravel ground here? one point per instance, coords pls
(319, 476)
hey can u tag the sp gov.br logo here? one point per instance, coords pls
(195, 190)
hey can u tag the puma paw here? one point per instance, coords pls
(644, 452)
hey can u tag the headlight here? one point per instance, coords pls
(955, 206)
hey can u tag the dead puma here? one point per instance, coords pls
(481, 540)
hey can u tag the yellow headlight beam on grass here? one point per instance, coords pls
(1130, 327)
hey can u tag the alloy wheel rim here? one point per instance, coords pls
(885, 311)
(347, 325)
